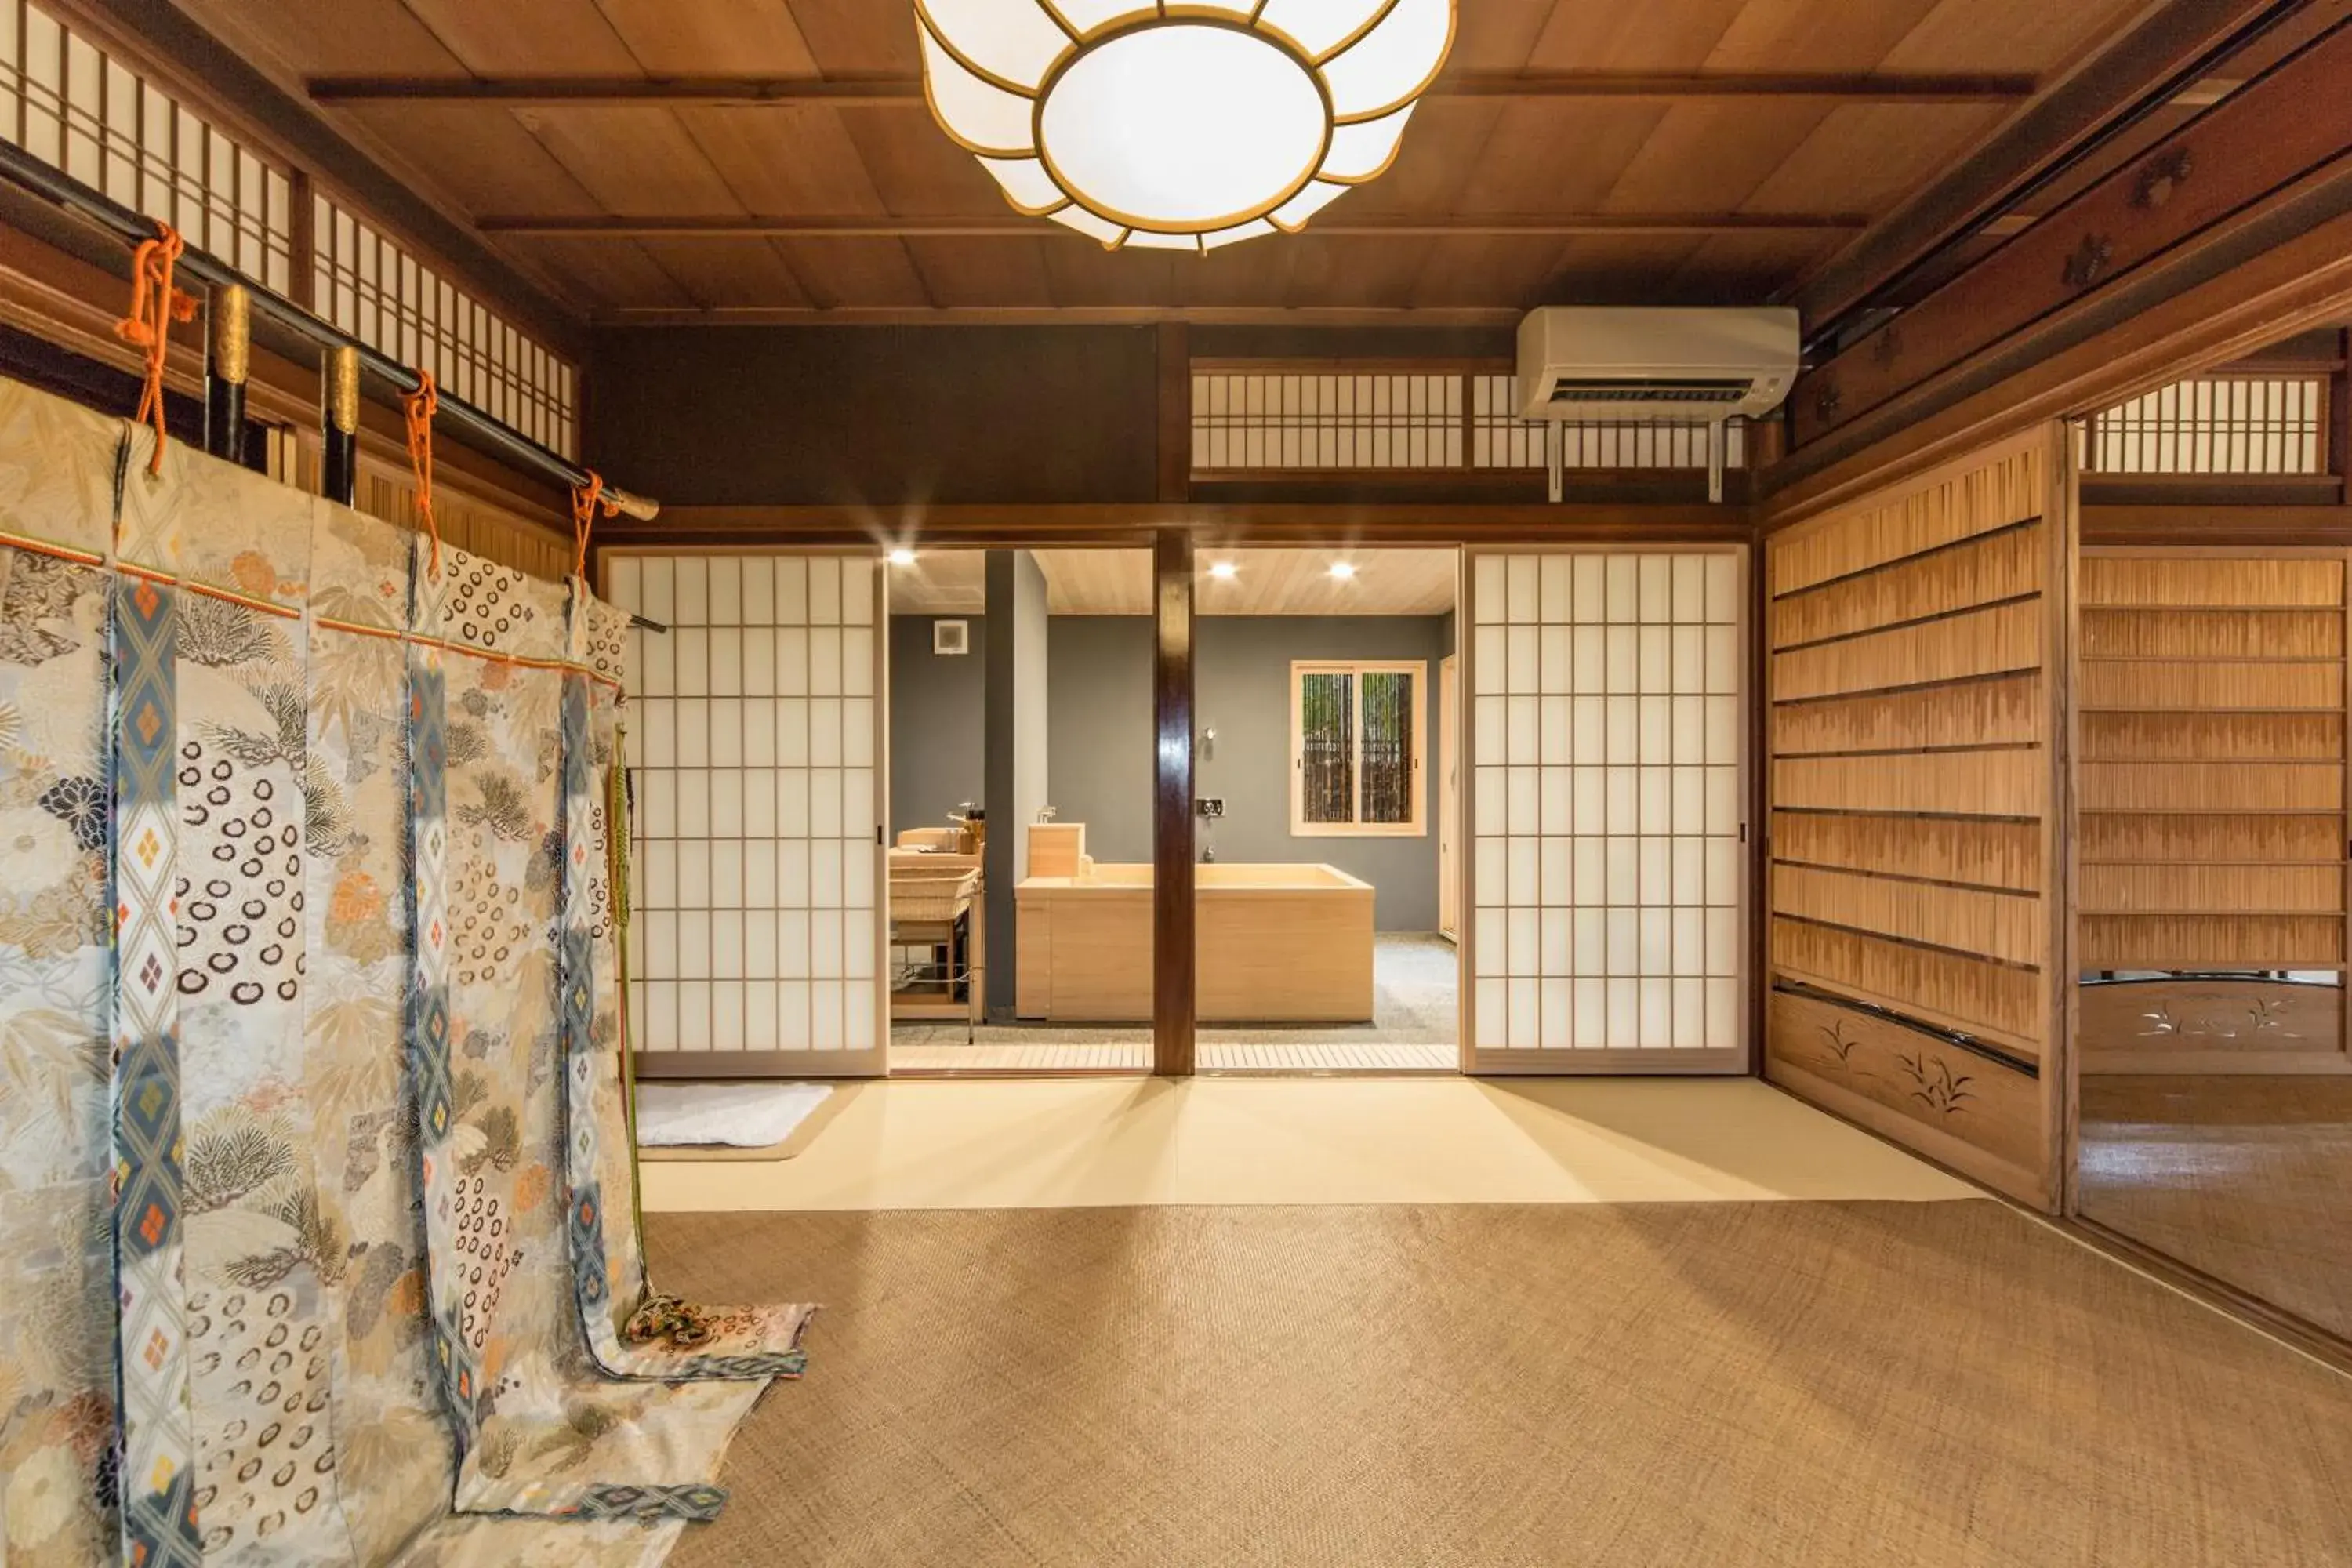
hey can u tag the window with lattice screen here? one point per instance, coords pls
(1356, 742)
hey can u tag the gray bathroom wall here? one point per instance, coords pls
(1242, 691)
(1098, 738)
(938, 723)
(1101, 771)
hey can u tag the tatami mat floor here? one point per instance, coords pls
(1634, 1386)
(1264, 1055)
(1046, 1142)
(2240, 1176)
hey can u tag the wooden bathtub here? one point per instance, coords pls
(1273, 944)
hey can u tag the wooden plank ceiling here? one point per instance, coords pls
(1729, 185)
(1263, 582)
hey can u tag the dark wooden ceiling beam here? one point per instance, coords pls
(1210, 523)
(884, 226)
(2268, 526)
(2290, 124)
(872, 92)
(2283, 267)
(2166, 55)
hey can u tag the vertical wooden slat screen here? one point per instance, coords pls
(1916, 639)
(2212, 901)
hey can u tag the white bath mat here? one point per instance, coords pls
(724, 1115)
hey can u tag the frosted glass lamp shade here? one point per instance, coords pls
(1186, 130)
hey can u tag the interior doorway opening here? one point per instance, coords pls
(1020, 811)
(1324, 755)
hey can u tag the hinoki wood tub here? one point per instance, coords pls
(1275, 944)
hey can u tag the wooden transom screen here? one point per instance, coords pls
(1916, 870)
(2212, 893)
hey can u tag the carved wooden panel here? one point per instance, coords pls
(2179, 1022)
(1942, 1085)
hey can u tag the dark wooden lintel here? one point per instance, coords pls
(1141, 523)
(1013, 225)
(876, 92)
(2293, 120)
(2269, 526)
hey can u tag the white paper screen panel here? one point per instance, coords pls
(753, 731)
(1607, 804)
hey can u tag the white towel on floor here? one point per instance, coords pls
(738, 1115)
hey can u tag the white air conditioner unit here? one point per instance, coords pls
(1681, 366)
(1599, 364)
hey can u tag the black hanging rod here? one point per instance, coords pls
(518, 451)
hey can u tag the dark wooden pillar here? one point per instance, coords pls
(2339, 419)
(338, 422)
(228, 357)
(1171, 803)
(1175, 434)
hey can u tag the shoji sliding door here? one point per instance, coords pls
(754, 738)
(1606, 811)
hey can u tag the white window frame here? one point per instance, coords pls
(1418, 668)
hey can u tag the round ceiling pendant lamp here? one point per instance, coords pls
(1180, 126)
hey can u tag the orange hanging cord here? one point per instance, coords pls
(585, 499)
(419, 407)
(154, 306)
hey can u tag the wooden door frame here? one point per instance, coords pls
(1449, 788)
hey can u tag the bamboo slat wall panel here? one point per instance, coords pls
(2204, 942)
(1917, 685)
(1966, 501)
(2241, 737)
(2007, 783)
(486, 530)
(2170, 840)
(492, 532)
(1990, 570)
(2213, 634)
(2157, 686)
(2211, 792)
(2004, 709)
(1985, 852)
(1998, 640)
